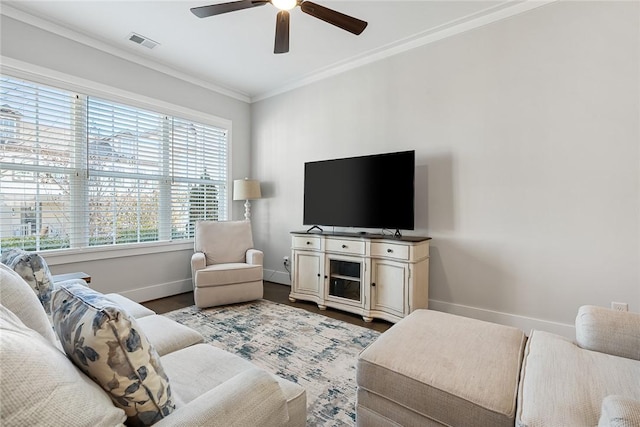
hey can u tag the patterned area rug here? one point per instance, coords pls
(312, 350)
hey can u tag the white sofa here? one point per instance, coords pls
(433, 369)
(41, 386)
(594, 380)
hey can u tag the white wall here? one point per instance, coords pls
(527, 137)
(142, 274)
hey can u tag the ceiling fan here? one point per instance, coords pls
(346, 22)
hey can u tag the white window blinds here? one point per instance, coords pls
(78, 171)
(199, 170)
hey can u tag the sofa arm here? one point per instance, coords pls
(619, 411)
(255, 257)
(608, 331)
(251, 398)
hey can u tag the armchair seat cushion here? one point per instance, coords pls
(228, 274)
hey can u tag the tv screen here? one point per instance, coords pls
(375, 191)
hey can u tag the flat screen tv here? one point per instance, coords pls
(375, 191)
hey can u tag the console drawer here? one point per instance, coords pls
(344, 246)
(306, 242)
(390, 250)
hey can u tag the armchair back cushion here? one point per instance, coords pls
(34, 270)
(608, 331)
(41, 387)
(223, 242)
(107, 344)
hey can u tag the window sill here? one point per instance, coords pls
(68, 256)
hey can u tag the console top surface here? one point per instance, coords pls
(371, 236)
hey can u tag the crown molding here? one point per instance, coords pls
(470, 22)
(458, 26)
(79, 37)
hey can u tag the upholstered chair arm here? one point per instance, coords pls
(608, 331)
(198, 262)
(255, 257)
(251, 398)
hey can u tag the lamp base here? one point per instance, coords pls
(247, 210)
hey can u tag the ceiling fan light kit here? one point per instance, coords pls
(281, 45)
(284, 4)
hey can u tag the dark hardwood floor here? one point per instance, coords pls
(273, 292)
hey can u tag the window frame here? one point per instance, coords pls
(40, 75)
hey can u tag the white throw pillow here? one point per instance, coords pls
(17, 296)
(41, 387)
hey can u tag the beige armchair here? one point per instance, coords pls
(225, 267)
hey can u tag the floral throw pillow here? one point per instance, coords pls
(34, 270)
(106, 344)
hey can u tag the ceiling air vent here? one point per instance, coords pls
(142, 40)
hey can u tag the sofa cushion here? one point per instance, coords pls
(167, 336)
(109, 346)
(34, 270)
(562, 384)
(134, 309)
(17, 296)
(608, 331)
(251, 398)
(197, 369)
(619, 411)
(41, 387)
(228, 274)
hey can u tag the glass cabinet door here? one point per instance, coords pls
(345, 279)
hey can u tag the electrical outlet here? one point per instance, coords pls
(286, 260)
(620, 306)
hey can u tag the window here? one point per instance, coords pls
(9, 120)
(78, 171)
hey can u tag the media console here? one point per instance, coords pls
(375, 276)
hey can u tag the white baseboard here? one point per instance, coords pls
(524, 323)
(168, 289)
(160, 290)
(276, 276)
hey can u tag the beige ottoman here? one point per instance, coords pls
(434, 368)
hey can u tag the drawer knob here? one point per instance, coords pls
(344, 246)
(308, 243)
(390, 251)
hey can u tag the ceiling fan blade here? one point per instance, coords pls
(282, 33)
(346, 22)
(220, 8)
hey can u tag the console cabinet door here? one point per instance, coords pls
(307, 273)
(389, 281)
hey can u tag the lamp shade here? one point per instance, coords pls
(246, 189)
